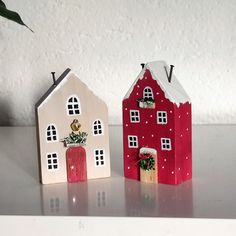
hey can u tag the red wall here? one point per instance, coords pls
(178, 129)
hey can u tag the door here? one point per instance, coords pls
(148, 169)
(76, 164)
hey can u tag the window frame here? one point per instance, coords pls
(98, 161)
(160, 116)
(165, 143)
(51, 158)
(97, 129)
(51, 135)
(134, 116)
(132, 141)
(150, 93)
(73, 104)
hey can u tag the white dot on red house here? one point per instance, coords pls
(138, 86)
(161, 100)
(146, 122)
(179, 168)
(181, 135)
(172, 172)
(186, 158)
(179, 116)
(152, 135)
(142, 136)
(170, 129)
(170, 111)
(136, 93)
(127, 155)
(187, 129)
(126, 125)
(187, 173)
(157, 93)
(163, 167)
(165, 160)
(150, 115)
(128, 167)
(126, 108)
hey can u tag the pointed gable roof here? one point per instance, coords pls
(52, 88)
(173, 90)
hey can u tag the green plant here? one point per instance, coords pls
(81, 138)
(148, 101)
(11, 15)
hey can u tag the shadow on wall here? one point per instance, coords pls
(5, 113)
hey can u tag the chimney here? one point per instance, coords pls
(142, 64)
(53, 77)
(170, 73)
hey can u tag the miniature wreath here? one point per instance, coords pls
(147, 162)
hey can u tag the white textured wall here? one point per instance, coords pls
(105, 41)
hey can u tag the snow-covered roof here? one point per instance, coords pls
(173, 90)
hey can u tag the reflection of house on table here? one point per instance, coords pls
(72, 126)
(157, 127)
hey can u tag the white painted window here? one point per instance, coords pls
(98, 127)
(52, 161)
(132, 141)
(165, 144)
(51, 133)
(147, 93)
(73, 106)
(99, 157)
(162, 117)
(134, 116)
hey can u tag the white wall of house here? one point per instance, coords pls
(105, 41)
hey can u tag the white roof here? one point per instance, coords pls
(173, 90)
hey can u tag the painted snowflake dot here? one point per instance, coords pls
(172, 172)
(142, 136)
(146, 122)
(152, 135)
(163, 167)
(128, 155)
(126, 108)
(170, 129)
(136, 93)
(128, 167)
(165, 160)
(126, 125)
(138, 86)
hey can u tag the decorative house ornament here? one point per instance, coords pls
(157, 127)
(72, 131)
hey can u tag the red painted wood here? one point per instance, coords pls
(76, 164)
(174, 166)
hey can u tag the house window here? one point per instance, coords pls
(99, 157)
(51, 133)
(73, 106)
(147, 93)
(165, 144)
(134, 116)
(52, 161)
(162, 117)
(97, 127)
(132, 141)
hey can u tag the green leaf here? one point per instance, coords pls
(11, 15)
(2, 4)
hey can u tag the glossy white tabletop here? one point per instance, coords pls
(210, 194)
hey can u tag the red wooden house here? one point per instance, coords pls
(157, 127)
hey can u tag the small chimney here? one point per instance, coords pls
(53, 77)
(142, 64)
(170, 74)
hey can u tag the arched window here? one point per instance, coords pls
(51, 133)
(73, 106)
(147, 93)
(98, 127)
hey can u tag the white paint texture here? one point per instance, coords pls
(105, 41)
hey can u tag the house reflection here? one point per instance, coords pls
(158, 200)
